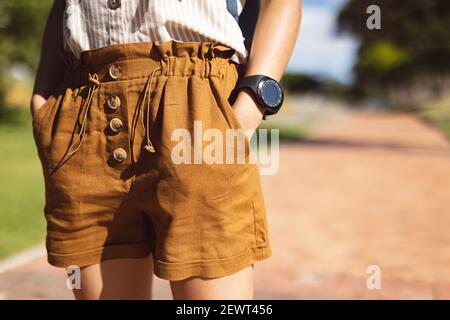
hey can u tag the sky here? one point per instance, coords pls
(319, 50)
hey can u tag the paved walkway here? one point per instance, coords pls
(373, 189)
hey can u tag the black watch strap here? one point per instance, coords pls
(256, 86)
(250, 82)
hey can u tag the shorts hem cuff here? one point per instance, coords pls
(95, 256)
(210, 268)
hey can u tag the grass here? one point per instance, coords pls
(22, 189)
(286, 132)
(287, 123)
(438, 113)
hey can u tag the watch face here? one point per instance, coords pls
(271, 93)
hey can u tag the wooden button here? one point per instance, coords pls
(113, 102)
(116, 124)
(114, 71)
(119, 154)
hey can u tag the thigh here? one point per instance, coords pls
(237, 286)
(116, 279)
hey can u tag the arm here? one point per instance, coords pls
(273, 41)
(51, 67)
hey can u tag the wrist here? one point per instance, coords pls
(245, 99)
(247, 111)
(266, 93)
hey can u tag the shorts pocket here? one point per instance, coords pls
(228, 113)
(261, 228)
(195, 157)
(47, 107)
(42, 118)
(40, 114)
(55, 128)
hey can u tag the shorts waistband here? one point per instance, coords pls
(139, 60)
(146, 60)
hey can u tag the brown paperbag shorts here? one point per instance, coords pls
(113, 192)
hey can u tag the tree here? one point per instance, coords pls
(412, 44)
(22, 23)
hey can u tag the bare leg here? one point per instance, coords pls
(120, 279)
(236, 286)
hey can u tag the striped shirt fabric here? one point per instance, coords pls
(90, 24)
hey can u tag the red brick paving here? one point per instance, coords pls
(370, 190)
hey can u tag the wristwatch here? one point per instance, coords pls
(266, 91)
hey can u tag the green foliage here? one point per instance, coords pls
(296, 82)
(22, 24)
(21, 194)
(302, 83)
(383, 56)
(413, 40)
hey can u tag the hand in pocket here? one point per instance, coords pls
(37, 102)
(247, 111)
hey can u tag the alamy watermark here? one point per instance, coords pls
(73, 280)
(374, 279)
(232, 146)
(374, 20)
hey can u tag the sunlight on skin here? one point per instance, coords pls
(122, 279)
(237, 286)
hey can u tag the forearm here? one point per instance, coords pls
(51, 66)
(274, 38)
(273, 41)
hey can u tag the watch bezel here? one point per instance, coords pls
(262, 84)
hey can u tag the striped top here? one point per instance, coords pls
(92, 24)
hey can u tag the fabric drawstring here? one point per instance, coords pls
(94, 84)
(146, 125)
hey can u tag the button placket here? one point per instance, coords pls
(116, 135)
(115, 22)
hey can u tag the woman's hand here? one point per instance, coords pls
(247, 111)
(37, 101)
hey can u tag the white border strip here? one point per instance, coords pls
(22, 258)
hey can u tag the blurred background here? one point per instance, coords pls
(364, 168)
